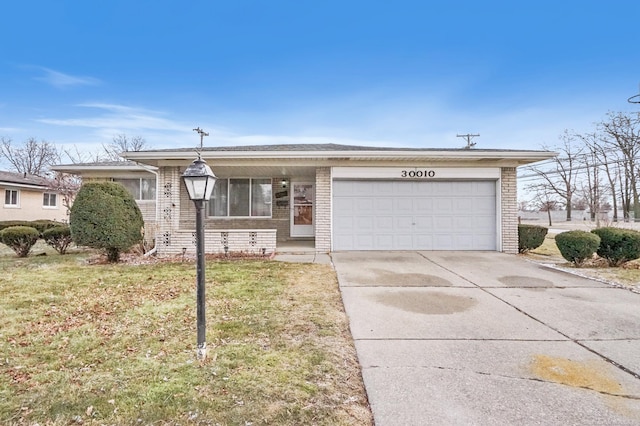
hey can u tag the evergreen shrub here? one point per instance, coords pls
(530, 237)
(105, 216)
(20, 239)
(577, 246)
(618, 245)
(59, 238)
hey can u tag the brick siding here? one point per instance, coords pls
(509, 207)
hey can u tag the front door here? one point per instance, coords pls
(302, 209)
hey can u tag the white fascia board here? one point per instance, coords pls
(529, 156)
(90, 168)
(9, 185)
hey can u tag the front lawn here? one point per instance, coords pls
(115, 344)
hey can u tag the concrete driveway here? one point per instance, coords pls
(466, 338)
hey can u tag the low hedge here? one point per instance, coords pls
(20, 238)
(530, 237)
(59, 238)
(577, 246)
(618, 245)
(41, 224)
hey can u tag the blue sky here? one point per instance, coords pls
(386, 73)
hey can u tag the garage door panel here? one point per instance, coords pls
(403, 223)
(365, 224)
(443, 205)
(384, 223)
(382, 206)
(414, 215)
(384, 242)
(364, 204)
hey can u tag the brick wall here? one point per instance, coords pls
(253, 241)
(509, 209)
(323, 209)
(168, 199)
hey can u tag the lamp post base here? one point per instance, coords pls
(202, 352)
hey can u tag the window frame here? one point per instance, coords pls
(55, 198)
(138, 196)
(17, 197)
(250, 207)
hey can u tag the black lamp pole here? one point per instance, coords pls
(201, 317)
(199, 181)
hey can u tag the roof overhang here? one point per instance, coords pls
(504, 158)
(106, 168)
(5, 183)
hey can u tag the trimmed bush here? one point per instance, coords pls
(20, 239)
(59, 238)
(530, 237)
(41, 225)
(577, 246)
(618, 245)
(105, 216)
(44, 224)
(8, 223)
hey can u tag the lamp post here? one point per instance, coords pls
(199, 181)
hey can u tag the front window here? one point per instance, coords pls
(11, 197)
(49, 199)
(241, 198)
(140, 189)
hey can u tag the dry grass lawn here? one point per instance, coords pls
(115, 344)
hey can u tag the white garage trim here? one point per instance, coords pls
(384, 214)
(423, 173)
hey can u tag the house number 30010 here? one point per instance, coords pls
(417, 173)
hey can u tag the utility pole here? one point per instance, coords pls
(468, 137)
(202, 134)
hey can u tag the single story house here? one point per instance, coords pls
(339, 197)
(29, 197)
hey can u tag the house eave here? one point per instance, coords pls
(512, 158)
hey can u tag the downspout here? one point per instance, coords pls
(155, 172)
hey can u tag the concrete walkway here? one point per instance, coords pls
(484, 338)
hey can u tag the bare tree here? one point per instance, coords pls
(32, 157)
(76, 156)
(544, 200)
(560, 178)
(622, 132)
(592, 185)
(609, 157)
(67, 185)
(122, 143)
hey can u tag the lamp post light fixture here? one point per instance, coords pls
(199, 181)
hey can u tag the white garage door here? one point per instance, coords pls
(414, 215)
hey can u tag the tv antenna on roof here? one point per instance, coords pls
(468, 137)
(202, 135)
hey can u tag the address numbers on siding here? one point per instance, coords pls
(417, 173)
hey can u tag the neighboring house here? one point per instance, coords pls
(340, 197)
(28, 197)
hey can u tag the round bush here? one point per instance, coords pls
(105, 216)
(20, 239)
(59, 238)
(530, 237)
(618, 245)
(577, 246)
